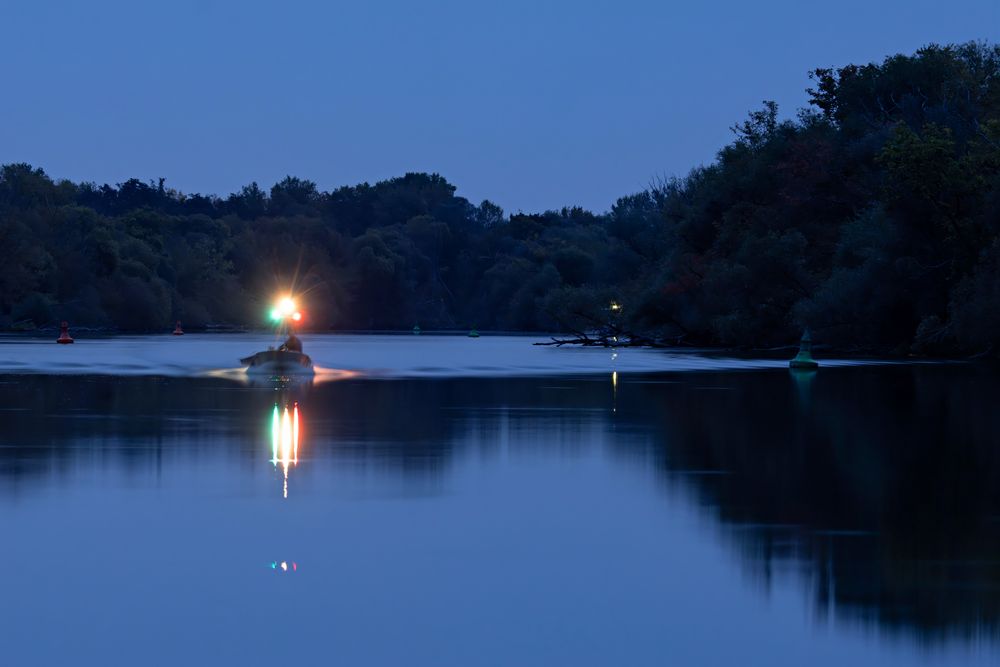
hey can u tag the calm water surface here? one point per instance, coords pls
(669, 516)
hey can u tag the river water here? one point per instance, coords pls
(451, 501)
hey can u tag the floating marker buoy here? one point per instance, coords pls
(473, 334)
(416, 329)
(177, 329)
(803, 360)
(64, 337)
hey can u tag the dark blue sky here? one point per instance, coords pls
(531, 104)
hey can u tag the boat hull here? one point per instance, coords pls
(278, 362)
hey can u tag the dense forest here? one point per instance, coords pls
(873, 218)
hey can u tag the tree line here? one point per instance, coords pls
(872, 218)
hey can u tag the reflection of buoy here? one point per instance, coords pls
(64, 337)
(803, 360)
(416, 329)
(177, 329)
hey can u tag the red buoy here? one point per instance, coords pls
(177, 329)
(64, 338)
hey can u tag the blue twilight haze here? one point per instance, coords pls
(531, 104)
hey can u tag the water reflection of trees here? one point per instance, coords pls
(134, 421)
(881, 486)
(412, 426)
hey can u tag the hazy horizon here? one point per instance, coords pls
(531, 107)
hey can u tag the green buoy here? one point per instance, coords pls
(804, 360)
(416, 329)
(473, 334)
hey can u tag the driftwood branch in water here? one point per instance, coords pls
(610, 334)
(601, 340)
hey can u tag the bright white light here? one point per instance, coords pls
(286, 306)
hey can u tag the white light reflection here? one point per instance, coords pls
(285, 441)
(614, 381)
(614, 391)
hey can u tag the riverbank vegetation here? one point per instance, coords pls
(872, 217)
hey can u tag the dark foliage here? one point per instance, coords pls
(872, 218)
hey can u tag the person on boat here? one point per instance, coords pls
(293, 344)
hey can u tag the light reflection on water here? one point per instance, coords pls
(320, 376)
(841, 517)
(285, 566)
(285, 440)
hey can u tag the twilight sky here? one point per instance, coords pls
(531, 104)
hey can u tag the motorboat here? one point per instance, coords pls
(287, 360)
(278, 363)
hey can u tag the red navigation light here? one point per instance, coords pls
(296, 316)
